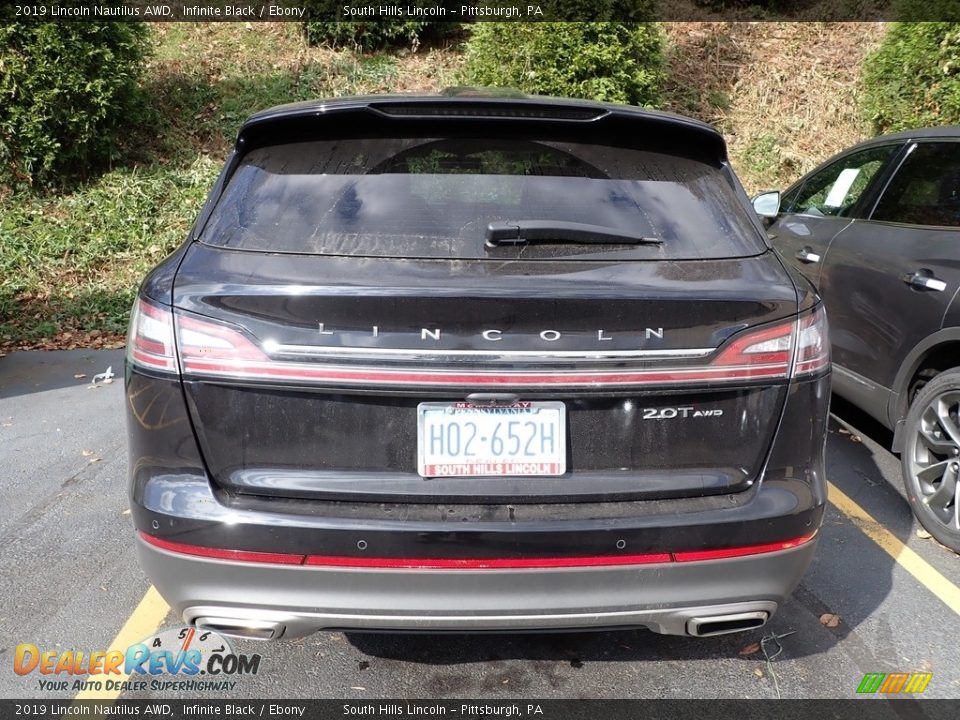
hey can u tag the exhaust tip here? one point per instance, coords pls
(723, 624)
(244, 629)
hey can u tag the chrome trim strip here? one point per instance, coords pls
(327, 351)
(441, 377)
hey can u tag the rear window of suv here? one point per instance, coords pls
(435, 197)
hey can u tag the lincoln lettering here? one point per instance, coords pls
(496, 335)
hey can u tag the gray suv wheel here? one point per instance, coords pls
(931, 457)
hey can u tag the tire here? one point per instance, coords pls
(931, 457)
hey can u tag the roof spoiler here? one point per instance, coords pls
(530, 118)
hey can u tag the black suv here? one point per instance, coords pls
(877, 230)
(476, 363)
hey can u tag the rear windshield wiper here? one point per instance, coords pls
(519, 232)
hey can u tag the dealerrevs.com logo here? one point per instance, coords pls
(179, 659)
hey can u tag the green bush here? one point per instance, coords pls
(374, 34)
(65, 90)
(913, 78)
(370, 36)
(919, 10)
(611, 62)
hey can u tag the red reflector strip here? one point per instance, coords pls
(721, 553)
(488, 563)
(149, 360)
(472, 563)
(808, 366)
(368, 376)
(222, 553)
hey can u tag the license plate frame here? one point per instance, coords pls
(485, 463)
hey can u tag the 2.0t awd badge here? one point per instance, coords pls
(668, 413)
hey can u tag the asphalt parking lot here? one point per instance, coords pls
(70, 580)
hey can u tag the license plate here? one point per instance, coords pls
(461, 439)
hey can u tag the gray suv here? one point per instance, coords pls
(877, 230)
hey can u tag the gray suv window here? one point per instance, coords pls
(926, 188)
(416, 197)
(835, 190)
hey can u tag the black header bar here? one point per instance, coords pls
(873, 708)
(457, 11)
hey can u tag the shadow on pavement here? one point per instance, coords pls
(22, 373)
(853, 467)
(575, 648)
(857, 418)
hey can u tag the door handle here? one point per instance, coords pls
(924, 280)
(807, 255)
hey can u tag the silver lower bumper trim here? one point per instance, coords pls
(251, 623)
(682, 598)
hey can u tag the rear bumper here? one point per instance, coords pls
(272, 601)
(173, 499)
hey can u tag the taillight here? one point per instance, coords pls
(204, 346)
(770, 350)
(813, 344)
(767, 350)
(208, 347)
(150, 337)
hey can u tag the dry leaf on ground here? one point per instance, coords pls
(830, 620)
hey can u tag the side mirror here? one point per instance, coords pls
(767, 204)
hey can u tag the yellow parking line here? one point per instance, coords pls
(892, 545)
(143, 622)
